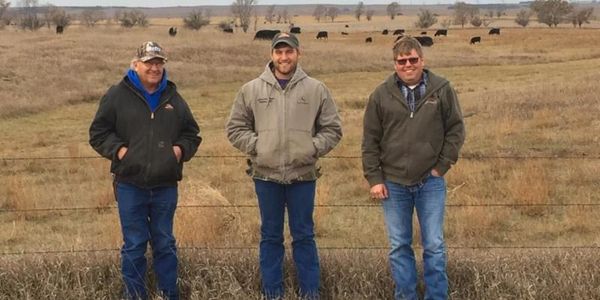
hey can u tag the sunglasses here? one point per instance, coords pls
(412, 60)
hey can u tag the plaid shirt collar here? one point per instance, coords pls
(422, 85)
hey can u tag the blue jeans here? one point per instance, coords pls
(429, 199)
(299, 198)
(146, 215)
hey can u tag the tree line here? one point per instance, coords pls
(550, 12)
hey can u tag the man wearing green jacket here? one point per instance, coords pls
(284, 121)
(413, 132)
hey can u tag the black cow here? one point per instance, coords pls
(369, 40)
(425, 41)
(385, 32)
(475, 39)
(173, 31)
(423, 32)
(398, 31)
(344, 33)
(443, 32)
(266, 34)
(60, 29)
(295, 30)
(322, 35)
(495, 31)
(347, 26)
(228, 30)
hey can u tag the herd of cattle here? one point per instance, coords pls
(268, 34)
(426, 41)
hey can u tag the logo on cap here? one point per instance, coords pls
(287, 38)
(150, 50)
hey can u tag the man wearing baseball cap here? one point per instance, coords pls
(147, 130)
(284, 121)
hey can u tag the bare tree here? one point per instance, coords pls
(320, 12)
(370, 14)
(523, 17)
(91, 16)
(270, 14)
(445, 23)
(426, 19)
(551, 12)
(476, 21)
(500, 12)
(3, 8)
(196, 20)
(360, 10)
(58, 17)
(464, 13)
(333, 12)
(580, 16)
(28, 18)
(242, 10)
(393, 9)
(131, 18)
(285, 15)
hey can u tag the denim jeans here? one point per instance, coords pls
(299, 198)
(146, 215)
(429, 199)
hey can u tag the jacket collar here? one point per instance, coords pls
(434, 83)
(168, 89)
(269, 77)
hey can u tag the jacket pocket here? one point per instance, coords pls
(423, 157)
(268, 153)
(165, 166)
(128, 166)
(302, 149)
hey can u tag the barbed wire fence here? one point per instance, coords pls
(475, 157)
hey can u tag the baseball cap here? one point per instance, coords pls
(287, 38)
(149, 50)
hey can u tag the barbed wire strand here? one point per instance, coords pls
(467, 157)
(102, 208)
(325, 248)
(472, 157)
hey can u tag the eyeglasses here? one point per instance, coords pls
(158, 63)
(412, 60)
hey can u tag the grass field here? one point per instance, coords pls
(527, 93)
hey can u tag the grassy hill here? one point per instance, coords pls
(522, 203)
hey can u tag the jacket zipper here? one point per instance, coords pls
(151, 133)
(284, 138)
(151, 140)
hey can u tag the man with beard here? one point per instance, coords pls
(284, 121)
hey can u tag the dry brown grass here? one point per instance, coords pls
(513, 274)
(524, 96)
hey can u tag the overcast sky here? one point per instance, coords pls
(163, 3)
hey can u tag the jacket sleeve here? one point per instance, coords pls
(240, 126)
(103, 137)
(328, 125)
(189, 138)
(454, 136)
(372, 135)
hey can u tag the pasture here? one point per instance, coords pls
(523, 200)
